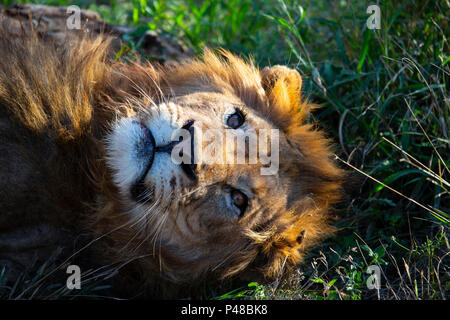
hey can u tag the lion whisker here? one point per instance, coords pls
(150, 216)
(162, 221)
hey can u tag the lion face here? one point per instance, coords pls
(215, 172)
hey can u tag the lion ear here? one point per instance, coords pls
(282, 86)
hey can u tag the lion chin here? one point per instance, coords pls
(93, 161)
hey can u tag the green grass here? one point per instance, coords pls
(385, 103)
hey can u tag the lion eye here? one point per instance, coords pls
(236, 119)
(240, 200)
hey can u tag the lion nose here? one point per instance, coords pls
(188, 166)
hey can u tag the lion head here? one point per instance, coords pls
(222, 217)
(201, 169)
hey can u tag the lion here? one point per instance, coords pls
(86, 150)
